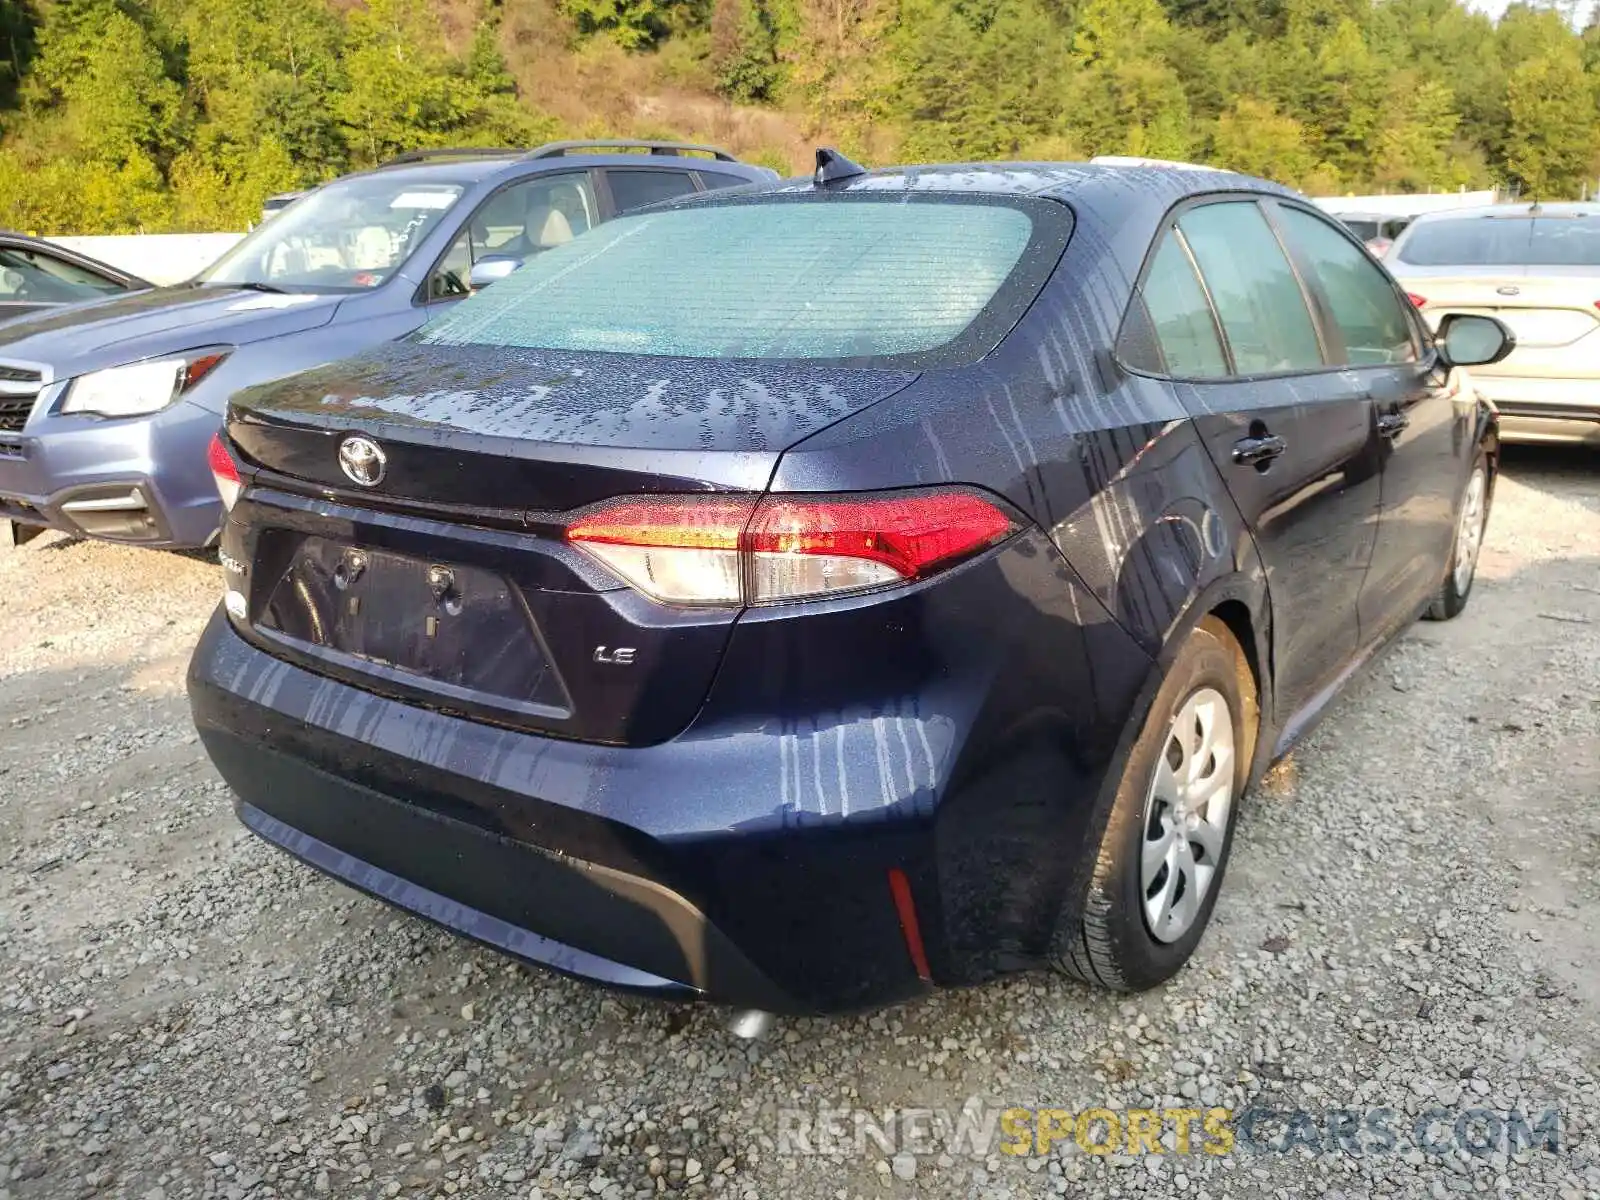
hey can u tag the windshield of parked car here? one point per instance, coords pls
(836, 278)
(350, 235)
(1504, 241)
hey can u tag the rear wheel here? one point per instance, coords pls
(1165, 848)
(1471, 518)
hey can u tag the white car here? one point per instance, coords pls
(1537, 268)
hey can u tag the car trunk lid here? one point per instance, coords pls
(444, 578)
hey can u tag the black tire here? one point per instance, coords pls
(1452, 596)
(1110, 942)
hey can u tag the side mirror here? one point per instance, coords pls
(1473, 340)
(491, 269)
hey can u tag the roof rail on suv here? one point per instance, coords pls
(430, 153)
(557, 149)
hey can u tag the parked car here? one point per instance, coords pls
(808, 597)
(1537, 268)
(1374, 229)
(273, 205)
(36, 274)
(107, 408)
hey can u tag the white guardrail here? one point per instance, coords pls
(158, 257)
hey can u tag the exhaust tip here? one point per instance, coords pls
(750, 1024)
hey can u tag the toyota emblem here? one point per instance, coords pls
(1509, 290)
(363, 460)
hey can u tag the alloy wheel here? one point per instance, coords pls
(1186, 814)
(1469, 532)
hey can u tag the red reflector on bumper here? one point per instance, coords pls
(900, 889)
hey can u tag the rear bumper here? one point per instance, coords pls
(519, 842)
(1544, 410)
(754, 858)
(454, 875)
(142, 480)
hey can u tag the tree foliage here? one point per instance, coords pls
(170, 114)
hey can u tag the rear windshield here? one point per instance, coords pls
(1504, 241)
(868, 280)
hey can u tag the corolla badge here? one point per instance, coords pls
(363, 460)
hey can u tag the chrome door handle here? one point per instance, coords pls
(1258, 451)
(1392, 425)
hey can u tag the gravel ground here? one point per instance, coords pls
(1409, 924)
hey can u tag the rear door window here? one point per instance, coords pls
(631, 189)
(1181, 320)
(1257, 297)
(711, 180)
(1362, 301)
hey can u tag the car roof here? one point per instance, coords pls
(445, 170)
(1094, 184)
(1513, 212)
(478, 167)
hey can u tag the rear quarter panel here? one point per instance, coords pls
(1107, 463)
(1147, 540)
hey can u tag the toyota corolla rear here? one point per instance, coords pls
(1538, 270)
(519, 636)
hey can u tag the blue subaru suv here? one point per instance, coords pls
(106, 408)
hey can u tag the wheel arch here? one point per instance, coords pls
(1241, 604)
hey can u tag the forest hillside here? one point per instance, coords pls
(152, 115)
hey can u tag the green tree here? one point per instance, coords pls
(982, 85)
(1255, 138)
(1260, 17)
(1125, 97)
(1549, 151)
(485, 67)
(1417, 135)
(401, 92)
(744, 50)
(266, 66)
(632, 24)
(16, 48)
(1344, 99)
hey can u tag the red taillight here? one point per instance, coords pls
(907, 535)
(1418, 301)
(224, 470)
(741, 550)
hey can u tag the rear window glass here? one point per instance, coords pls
(900, 282)
(1504, 241)
(635, 189)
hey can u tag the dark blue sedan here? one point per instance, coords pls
(809, 595)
